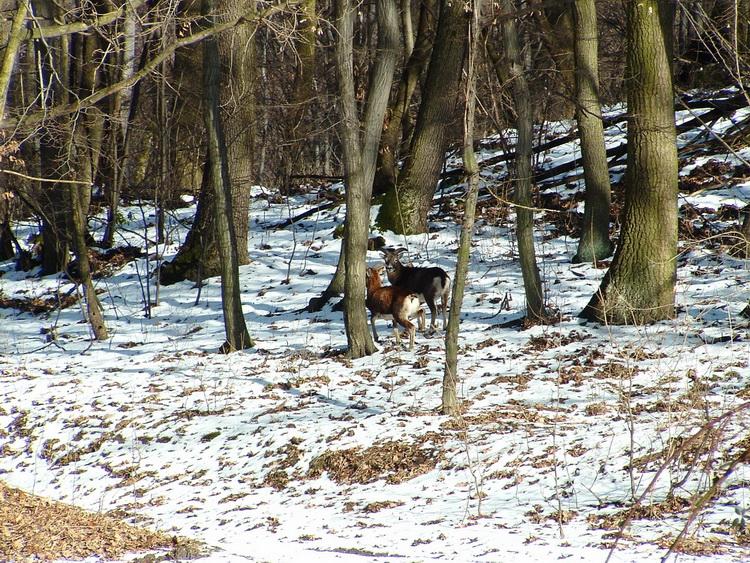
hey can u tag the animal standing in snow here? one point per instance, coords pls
(397, 303)
(431, 283)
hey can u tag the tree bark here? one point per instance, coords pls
(235, 329)
(78, 206)
(199, 257)
(238, 50)
(406, 207)
(11, 52)
(124, 107)
(450, 404)
(639, 285)
(51, 58)
(398, 118)
(532, 282)
(360, 142)
(594, 243)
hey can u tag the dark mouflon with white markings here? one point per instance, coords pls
(432, 284)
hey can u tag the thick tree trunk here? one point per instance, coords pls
(234, 321)
(594, 243)
(405, 208)
(239, 111)
(198, 257)
(360, 144)
(557, 28)
(639, 286)
(398, 118)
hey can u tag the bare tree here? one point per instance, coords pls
(10, 56)
(594, 243)
(218, 164)
(399, 119)
(406, 207)
(360, 142)
(532, 282)
(639, 285)
(450, 404)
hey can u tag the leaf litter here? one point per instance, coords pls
(290, 451)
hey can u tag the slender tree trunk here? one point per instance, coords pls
(594, 243)
(237, 335)
(11, 52)
(639, 285)
(78, 206)
(524, 124)
(405, 208)
(125, 105)
(450, 404)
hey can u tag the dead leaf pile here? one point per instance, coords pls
(36, 529)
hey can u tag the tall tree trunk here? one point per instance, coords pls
(398, 116)
(406, 207)
(235, 329)
(11, 52)
(53, 82)
(557, 29)
(594, 243)
(239, 107)
(360, 142)
(198, 258)
(296, 144)
(639, 285)
(532, 282)
(124, 105)
(450, 404)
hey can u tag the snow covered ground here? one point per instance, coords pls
(290, 452)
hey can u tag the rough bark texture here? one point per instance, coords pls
(639, 286)
(239, 118)
(406, 207)
(398, 118)
(532, 281)
(198, 257)
(594, 243)
(360, 144)
(234, 321)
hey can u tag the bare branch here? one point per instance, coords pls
(52, 113)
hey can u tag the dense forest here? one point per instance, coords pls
(602, 388)
(111, 102)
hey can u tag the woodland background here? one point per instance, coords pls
(107, 108)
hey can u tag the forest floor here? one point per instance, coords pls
(575, 440)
